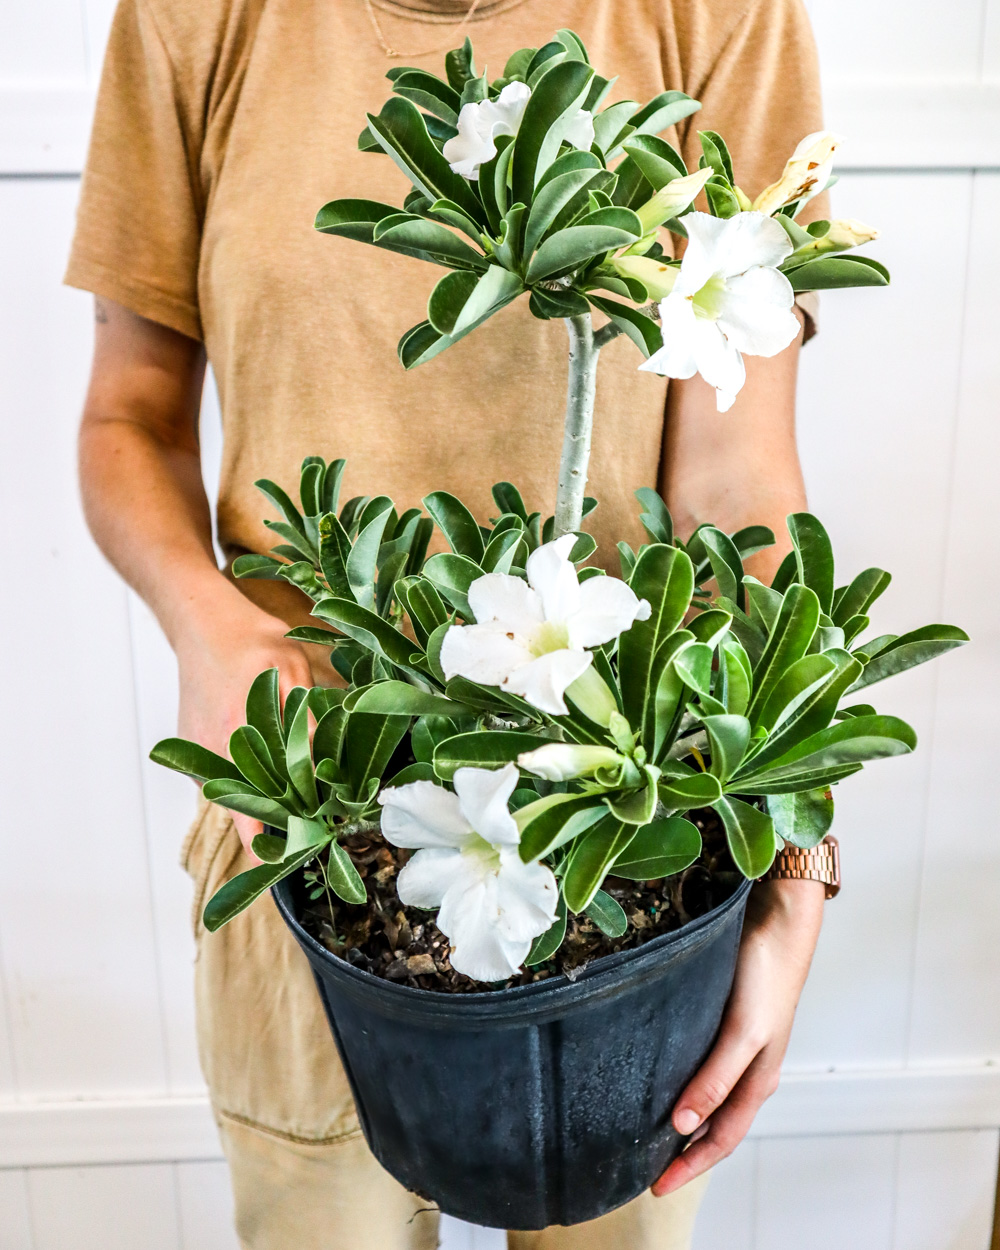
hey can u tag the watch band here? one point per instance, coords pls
(820, 863)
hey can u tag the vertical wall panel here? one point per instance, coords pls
(826, 1193)
(15, 1216)
(75, 924)
(97, 15)
(108, 1208)
(205, 1207)
(877, 404)
(945, 1188)
(956, 1010)
(727, 1215)
(41, 41)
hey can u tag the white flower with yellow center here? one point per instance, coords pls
(728, 298)
(531, 637)
(481, 122)
(491, 905)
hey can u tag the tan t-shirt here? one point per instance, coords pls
(223, 125)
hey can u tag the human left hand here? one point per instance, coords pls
(741, 1072)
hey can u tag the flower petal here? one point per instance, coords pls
(484, 653)
(473, 145)
(483, 795)
(425, 879)
(554, 578)
(579, 131)
(756, 314)
(543, 682)
(503, 115)
(719, 363)
(468, 918)
(699, 263)
(526, 897)
(676, 358)
(507, 599)
(607, 608)
(749, 239)
(423, 814)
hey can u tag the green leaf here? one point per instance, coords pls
(735, 674)
(665, 578)
(660, 849)
(694, 667)
(401, 132)
(571, 248)
(684, 793)
(263, 711)
(729, 737)
(557, 96)
(508, 499)
(298, 757)
(813, 556)
(492, 749)
(328, 739)
(452, 575)
(428, 92)
(368, 747)
(611, 126)
(457, 523)
(251, 755)
(831, 272)
(423, 605)
(787, 642)
(663, 111)
(426, 240)
(656, 520)
(858, 597)
(635, 807)
(362, 563)
(260, 567)
(551, 822)
(448, 299)
(343, 876)
(726, 563)
(850, 742)
(398, 698)
(802, 819)
(237, 894)
(269, 848)
(607, 914)
(547, 943)
(721, 200)
(908, 650)
(238, 796)
(750, 834)
(558, 200)
(591, 858)
(305, 835)
(193, 760)
(554, 305)
(717, 154)
(795, 683)
(352, 219)
(711, 626)
(368, 629)
(459, 65)
(658, 160)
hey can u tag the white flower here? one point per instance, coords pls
(481, 122)
(492, 906)
(806, 173)
(562, 761)
(530, 636)
(728, 298)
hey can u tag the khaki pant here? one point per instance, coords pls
(302, 1175)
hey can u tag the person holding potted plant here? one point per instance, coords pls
(226, 124)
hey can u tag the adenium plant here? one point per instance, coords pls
(524, 722)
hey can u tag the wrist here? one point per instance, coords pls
(208, 610)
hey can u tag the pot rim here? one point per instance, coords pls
(601, 978)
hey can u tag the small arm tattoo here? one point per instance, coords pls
(100, 312)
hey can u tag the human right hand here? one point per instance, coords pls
(223, 646)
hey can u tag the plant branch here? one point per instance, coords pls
(580, 389)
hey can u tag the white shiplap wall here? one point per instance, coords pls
(884, 1134)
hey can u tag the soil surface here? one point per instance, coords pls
(404, 944)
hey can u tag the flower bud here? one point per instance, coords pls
(843, 234)
(806, 173)
(671, 199)
(591, 695)
(562, 761)
(657, 277)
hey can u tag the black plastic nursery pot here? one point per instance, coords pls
(544, 1104)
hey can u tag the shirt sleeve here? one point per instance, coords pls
(138, 223)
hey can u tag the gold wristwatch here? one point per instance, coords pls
(821, 863)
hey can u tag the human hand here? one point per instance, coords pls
(719, 1104)
(220, 651)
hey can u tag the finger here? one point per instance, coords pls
(712, 1084)
(248, 830)
(720, 1136)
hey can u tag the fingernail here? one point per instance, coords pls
(686, 1121)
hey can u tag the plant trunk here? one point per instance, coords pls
(580, 389)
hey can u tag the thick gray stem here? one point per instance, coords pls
(580, 388)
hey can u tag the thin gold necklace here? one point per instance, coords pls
(389, 50)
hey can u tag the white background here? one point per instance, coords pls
(884, 1134)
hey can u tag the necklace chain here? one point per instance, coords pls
(390, 51)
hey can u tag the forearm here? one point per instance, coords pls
(740, 467)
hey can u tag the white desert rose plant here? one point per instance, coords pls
(520, 725)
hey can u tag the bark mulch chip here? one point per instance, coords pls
(403, 944)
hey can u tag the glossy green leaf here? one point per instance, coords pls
(591, 858)
(547, 943)
(684, 793)
(268, 847)
(366, 628)
(263, 712)
(716, 154)
(457, 523)
(260, 567)
(663, 111)
(813, 556)
(251, 755)
(664, 577)
(735, 676)
(193, 760)
(343, 877)
(428, 92)
(849, 742)
(398, 698)
(298, 757)
(750, 835)
(238, 796)
(557, 200)
(573, 247)
(556, 97)
(491, 749)
(427, 240)
(550, 822)
(802, 819)
(658, 160)
(368, 746)
(858, 597)
(726, 563)
(238, 893)
(830, 272)
(908, 650)
(656, 519)
(659, 849)
(305, 835)
(642, 330)
(728, 737)
(328, 739)
(607, 914)
(362, 563)
(787, 642)
(795, 683)
(452, 575)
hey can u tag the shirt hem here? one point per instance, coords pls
(87, 274)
